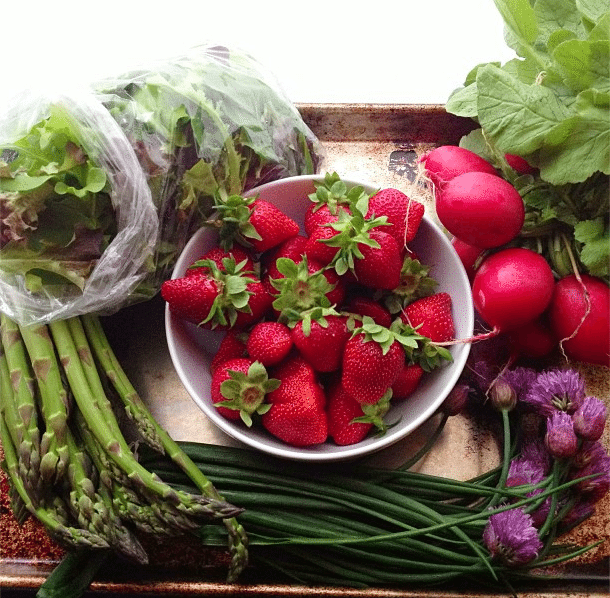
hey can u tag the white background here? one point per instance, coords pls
(379, 51)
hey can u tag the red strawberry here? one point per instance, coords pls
(269, 342)
(379, 267)
(298, 423)
(221, 299)
(292, 248)
(321, 342)
(407, 381)
(432, 317)
(342, 409)
(335, 293)
(239, 387)
(404, 214)
(218, 254)
(365, 306)
(319, 215)
(368, 368)
(301, 286)
(350, 421)
(271, 224)
(191, 298)
(298, 383)
(253, 222)
(316, 249)
(232, 345)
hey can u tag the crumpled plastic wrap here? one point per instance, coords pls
(101, 189)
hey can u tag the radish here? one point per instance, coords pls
(468, 255)
(583, 334)
(534, 340)
(448, 161)
(512, 287)
(519, 164)
(481, 209)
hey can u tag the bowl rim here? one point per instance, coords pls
(326, 452)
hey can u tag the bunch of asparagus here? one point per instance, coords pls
(67, 458)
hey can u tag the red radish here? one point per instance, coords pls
(519, 164)
(512, 287)
(481, 209)
(448, 161)
(534, 340)
(582, 336)
(468, 254)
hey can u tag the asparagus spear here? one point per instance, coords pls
(139, 412)
(51, 517)
(101, 422)
(54, 401)
(94, 510)
(22, 411)
(6, 393)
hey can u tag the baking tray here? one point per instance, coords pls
(372, 143)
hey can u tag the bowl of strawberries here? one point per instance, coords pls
(319, 319)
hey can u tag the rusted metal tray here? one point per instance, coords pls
(371, 143)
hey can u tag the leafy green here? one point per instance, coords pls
(210, 123)
(551, 106)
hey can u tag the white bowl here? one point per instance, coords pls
(192, 348)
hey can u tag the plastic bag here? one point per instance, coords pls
(101, 190)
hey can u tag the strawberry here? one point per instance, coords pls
(414, 283)
(253, 222)
(321, 342)
(269, 342)
(335, 292)
(431, 317)
(379, 267)
(191, 298)
(217, 254)
(365, 306)
(298, 383)
(316, 249)
(232, 345)
(342, 409)
(407, 381)
(350, 421)
(221, 299)
(239, 387)
(292, 248)
(372, 360)
(330, 198)
(403, 214)
(365, 250)
(301, 287)
(320, 215)
(298, 423)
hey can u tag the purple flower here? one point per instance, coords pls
(590, 419)
(556, 390)
(511, 537)
(531, 468)
(560, 439)
(523, 471)
(592, 460)
(521, 379)
(535, 451)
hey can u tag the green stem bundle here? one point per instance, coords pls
(67, 459)
(358, 526)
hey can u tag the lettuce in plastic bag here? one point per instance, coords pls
(100, 190)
